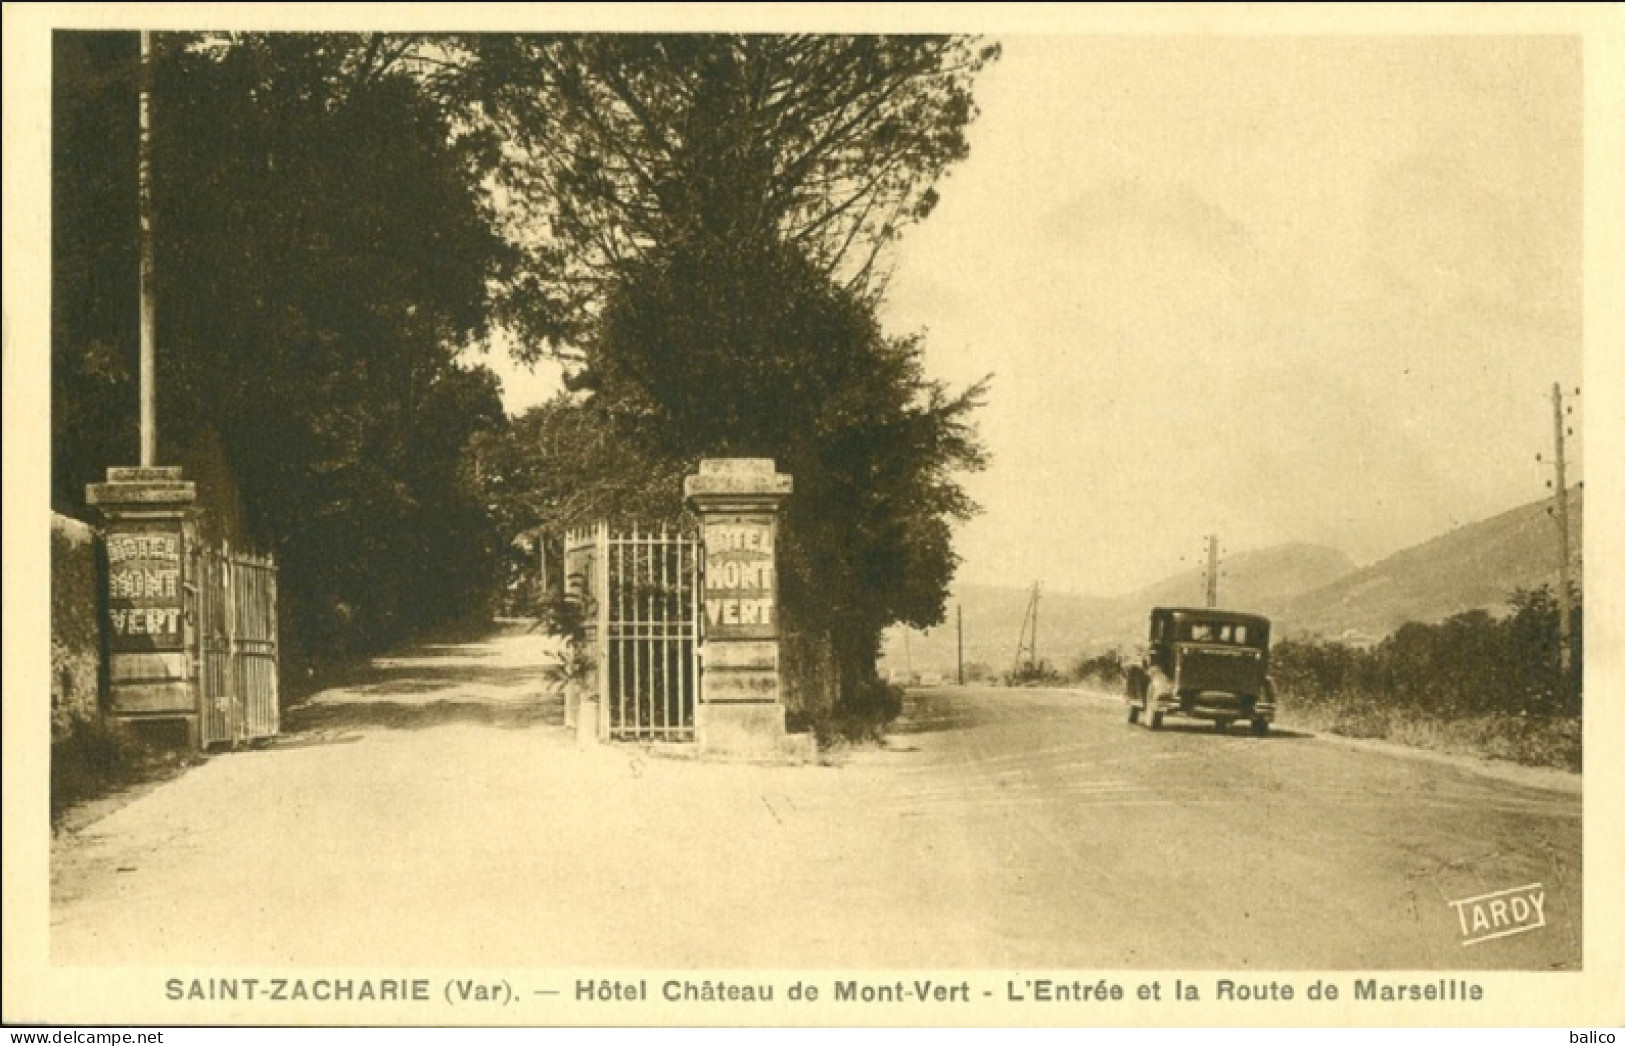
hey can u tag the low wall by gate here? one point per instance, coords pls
(76, 627)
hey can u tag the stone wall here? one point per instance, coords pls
(76, 640)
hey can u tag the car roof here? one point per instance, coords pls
(1209, 614)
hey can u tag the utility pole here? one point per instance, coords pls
(1560, 506)
(959, 621)
(149, 306)
(1035, 625)
(1212, 571)
(1027, 642)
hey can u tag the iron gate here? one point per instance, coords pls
(237, 645)
(644, 627)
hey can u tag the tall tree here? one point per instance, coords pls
(712, 215)
(630, 143)
(325, 251)
(712, 348)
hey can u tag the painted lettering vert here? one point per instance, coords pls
(739, 611)
(146, 622)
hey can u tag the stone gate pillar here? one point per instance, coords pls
(149, 515)
(741, 708)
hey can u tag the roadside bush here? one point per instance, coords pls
(978, 672)
(92, 757)
(1034, 673)
(1103, 670)
(1474, 682)
(864, 717)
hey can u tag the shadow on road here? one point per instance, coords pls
(497, 680)
(1239, 733)
(920, 719)
(934, 711)
(404, 680)
(406, 715)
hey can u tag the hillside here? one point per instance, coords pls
(1304, 588)
(1070, 624)
(993, 616)
(1473, 567)
(1252, 578)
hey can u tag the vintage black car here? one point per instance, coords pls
(1206, 664)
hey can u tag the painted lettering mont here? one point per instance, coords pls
(138, 583)
(144, 585)
(739, 575)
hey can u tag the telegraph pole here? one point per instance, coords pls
(149, 306)
(959, 621)
(1212, 571)
(1035, 625)
(1560, 506)
(1027, 642)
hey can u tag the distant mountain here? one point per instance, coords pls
(1304, 588)
(1472, 567)
(993, 616)
(1070, 624)
(1251, 579)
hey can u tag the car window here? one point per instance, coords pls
(1215, 632)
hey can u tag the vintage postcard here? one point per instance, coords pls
(1053, 515)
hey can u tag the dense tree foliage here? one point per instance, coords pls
(630, 144)
(324, 251)
(560, 465)
(1470, 664)
(799, 371)
(698, 223)
(717, 208)
(564, 464)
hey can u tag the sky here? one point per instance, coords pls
(1277, 289)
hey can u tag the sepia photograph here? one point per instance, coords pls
(800, 515)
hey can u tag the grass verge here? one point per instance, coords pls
(1553, 741)
(94, 758)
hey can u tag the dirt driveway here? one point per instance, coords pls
(436, 812)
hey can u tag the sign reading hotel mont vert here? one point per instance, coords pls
(144, 589)
(739, 579)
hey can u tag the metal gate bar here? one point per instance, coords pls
(646, 631)
(236, 622)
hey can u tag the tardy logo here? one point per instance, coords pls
(1502, 913)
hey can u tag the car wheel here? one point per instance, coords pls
(1133, 712)
(1261, 727)
(1221, 725)
(1154, 720)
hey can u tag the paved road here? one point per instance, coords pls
(437, 813)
